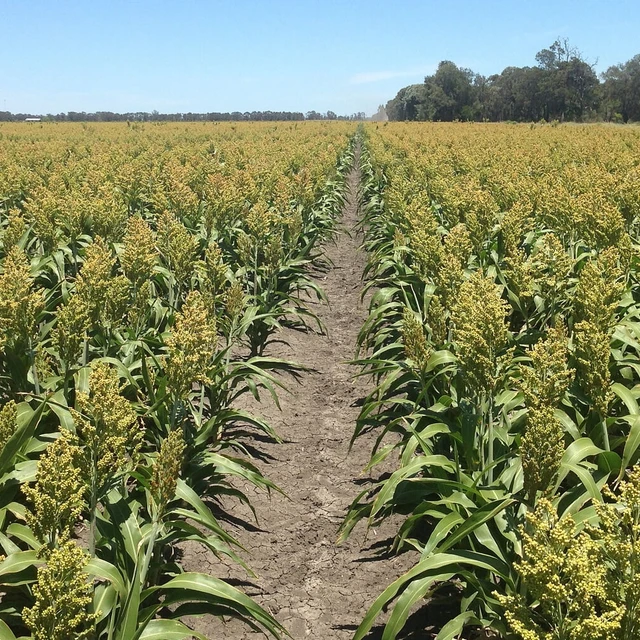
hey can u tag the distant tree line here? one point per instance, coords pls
(562, 86)
(155, 116)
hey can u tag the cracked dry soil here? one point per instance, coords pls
(315, 588)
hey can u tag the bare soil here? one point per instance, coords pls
(315, 588)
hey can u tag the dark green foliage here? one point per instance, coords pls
(563, 86)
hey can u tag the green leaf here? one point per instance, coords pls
(454, 627)
(579, 450)
(610, 462)
(239, 467)
(586, 478)
(478, 518)
(7, 545)
(24, 533)
(27, 421)
(433, 565)
(417, 465)
(202, 513)
(17, 562)
(568, 424)
(441, 531)
(5, 632)
(59, 406)
(570, 463)
(632, 443)
(105, 598)
(124, 517)
(169, 630)
(627, 397)
(24, 471)
(105, 570)
(191, 584)
(128, 627)
(438, 358)
(414, 592)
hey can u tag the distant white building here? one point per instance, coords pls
(32, 119)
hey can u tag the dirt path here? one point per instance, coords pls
(315, 588)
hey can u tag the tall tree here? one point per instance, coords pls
(450, 93)
(562, 86)
(622, 89)
(408, 104)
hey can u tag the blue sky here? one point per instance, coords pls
(194, 55)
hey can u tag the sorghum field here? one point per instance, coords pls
(177, 303)
(503, 340)
(144, 271)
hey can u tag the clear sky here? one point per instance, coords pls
(197, 55)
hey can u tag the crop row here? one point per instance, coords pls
(142, 273)
(504, 342)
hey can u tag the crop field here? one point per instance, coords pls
(143, 273)
(408, 352)
(504, 343)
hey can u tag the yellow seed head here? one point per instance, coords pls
(546, 381)
(57, 496)
(593, 353)
(521, 274)
(480, 331)
(567, 577)
(20, 305)
(15, 229)
(273, 251)
(191, 346)
(63, 595)
(139, 256)
(177, 246)
(72, 325)
(8, 422)
(416, 348)
(107, 425)
(541, 449)
(103, 296)
(235, 301)
(550, 265)
(599, 290)
(437, 320)
(216, 269)
(166, 470)
(246, 248)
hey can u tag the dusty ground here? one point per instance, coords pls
(313, 587)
